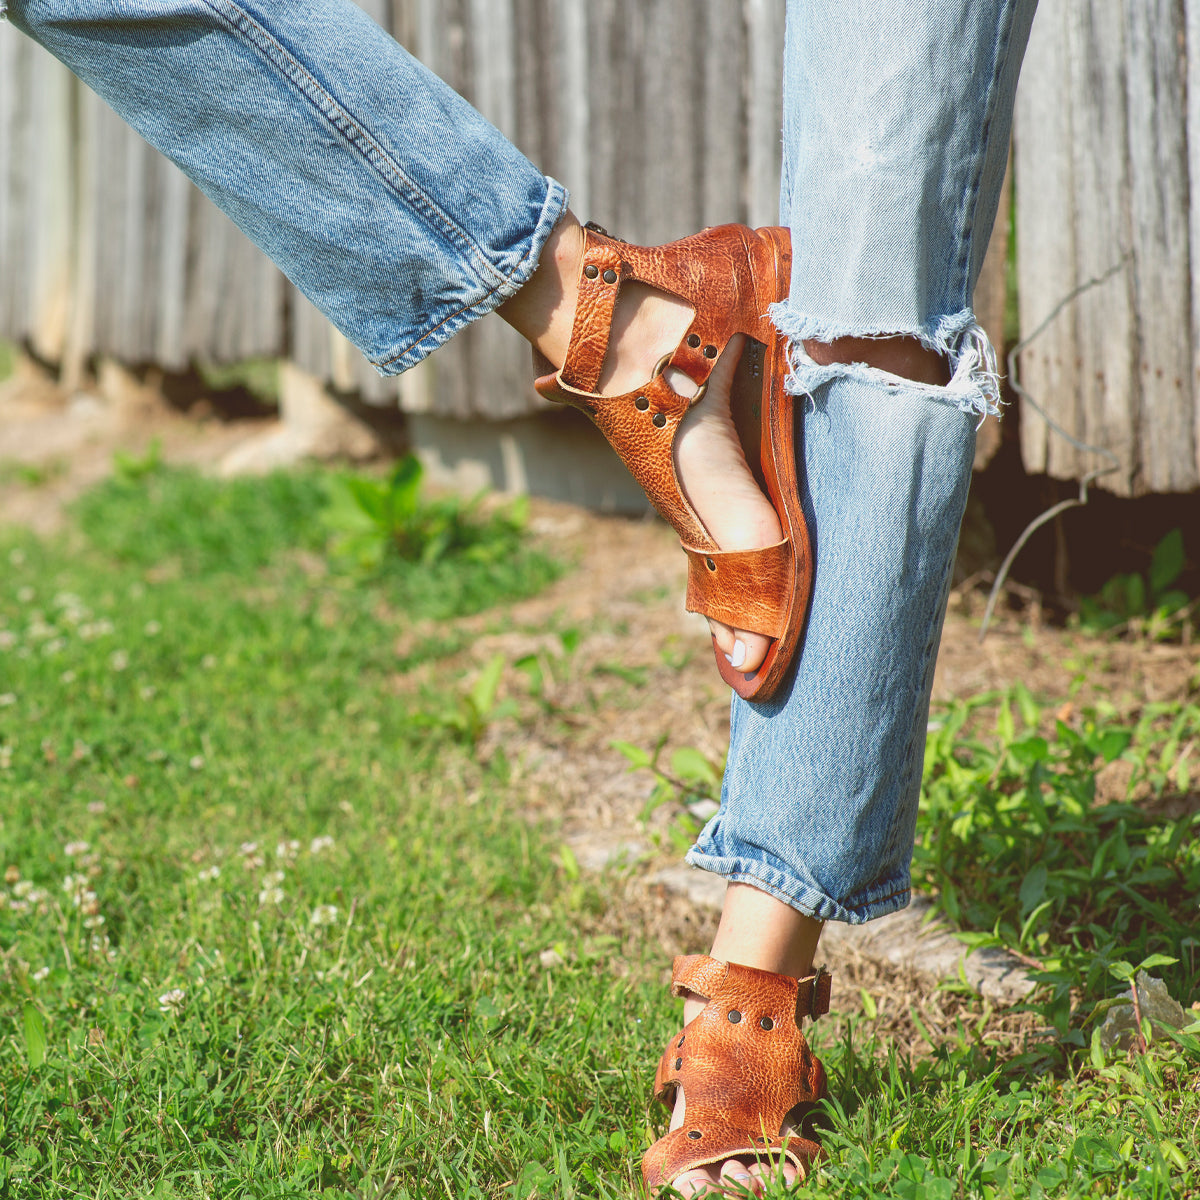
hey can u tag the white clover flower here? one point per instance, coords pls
(39, 629)
(8, 639)
(19, 907)
(25, 595)
(152, 629)
(118, 660)
(53, 646)
(208, 661)
(172, 1001)
(324, 914)
(7, 699)
(96, 807)
(40, 974)
(67, 677)
(148, 692)
(270, 895)
(288, 849)
(16, 556)
(92, 630)
(272, 879)
(71, 849)
(207, 874)
(22, 888)
(247, 848)
(320, 844)
(94, 921)
(196, 762)
(6, 753)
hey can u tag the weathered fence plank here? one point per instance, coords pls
(1102, 150)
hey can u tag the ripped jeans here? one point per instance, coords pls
(404, 215)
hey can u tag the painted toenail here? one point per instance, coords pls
(739, 654)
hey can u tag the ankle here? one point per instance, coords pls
(543, 311)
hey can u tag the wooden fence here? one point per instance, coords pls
(105, 249)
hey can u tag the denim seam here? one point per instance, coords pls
(348, 127)
(784, 885)
(556, 198)
(971, 197)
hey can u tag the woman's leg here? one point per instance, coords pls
(896, 128)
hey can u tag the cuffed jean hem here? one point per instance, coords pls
(974, 385)
(412, 352)
(887, 896)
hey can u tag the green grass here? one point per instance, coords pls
(271, 928)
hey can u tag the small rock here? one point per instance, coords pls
(550, 959)
(1155, 1002)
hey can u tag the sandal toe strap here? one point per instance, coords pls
(748, 589)
(710, 1141)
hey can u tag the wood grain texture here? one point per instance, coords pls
(1105, 169)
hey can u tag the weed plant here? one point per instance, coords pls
(1017, 847)
(270, 928)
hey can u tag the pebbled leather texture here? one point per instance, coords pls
(730, 275)
(743, 1064)
(748, 589)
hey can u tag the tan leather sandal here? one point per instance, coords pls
(729, 275)
(743, 1064)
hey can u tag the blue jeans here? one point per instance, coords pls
(404, 215)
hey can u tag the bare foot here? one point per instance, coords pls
(709, 460)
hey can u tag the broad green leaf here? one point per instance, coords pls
(483, 693)
(636, 756)
(1033, 886)
(1112, 743)
(1167, 563)
(1156, 960)
(570, 864)
(688, 763)
(35, 1036)
(1097, 1050)
(1031, 714)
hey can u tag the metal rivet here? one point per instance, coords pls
(708, 562)
(591, 271)
(766, 1023)
(641, 404)
(658, 420)
(694, 1134)
(610, 276)
(681, 1037)
(678, 1063)
(710, 352)
(693, 340)
(734, 1016)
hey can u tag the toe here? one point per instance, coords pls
(738, 1181)
(743, 651)
(765, 1171)
(699, 1182)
